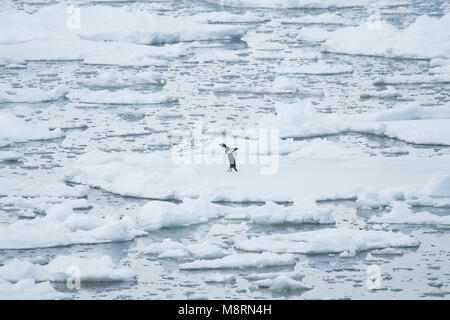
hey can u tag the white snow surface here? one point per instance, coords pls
(62, 227)
(426, 38)
(327, 241)
(242, 260)
(401, 214)
(98, 269)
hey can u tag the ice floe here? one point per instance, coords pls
(282, 283)
(106, 23)
(242, 261)
(179, 250)
(90, 52)
(113, 79)
(303, 211)
(156, 176)
(438, 185)
(402, 214)
(303, 120)
(327, 241)
(31, 95)
(434, 192)
(14, 129)
(426, 38)
(226, 17)
(123, 96)
(61, 268)
(27, 289)
(62, 227)
(162, 214)
(413, 79)
(10, 156)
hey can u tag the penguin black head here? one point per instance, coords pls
(223, 145)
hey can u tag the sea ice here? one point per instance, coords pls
(27, 289)
(242, 261)
(98, 269)
(426, 38)
(62, 227)
(327, 241)
(401, 214)
(14, 129)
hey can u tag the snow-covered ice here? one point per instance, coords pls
(242, 260)
(62, 227)
(101, 269)
(327, 241)
(110, 161)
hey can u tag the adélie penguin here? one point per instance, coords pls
(229, 152)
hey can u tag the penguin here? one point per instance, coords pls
(229, 152)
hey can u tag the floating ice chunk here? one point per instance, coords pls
(327, 241)
(242, 261)
(90, 52)
(226, 17)
(178, 250)
(313, 34)
(31, 95)
(98, 269)
(438, 186)
(284, 84)
(303, 211)
(282, 283)
(375, 199)
(16, 66)
(281, 85)
(412, 112)
(105, 23)
(10, 156)
(13, 129)
(424, 131)
(112, 79)
(401, 214)
(124, 96)
(220, 278)
(221, 56)
(322, 68)
(55, 190)
(387, 252)
(426, 38)
(27, 289)
(439, 65)
(62, 227)
(162, 214)
(157, 176)
(413, 79)
(303, 120)
(347, 254)
(295, 275)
